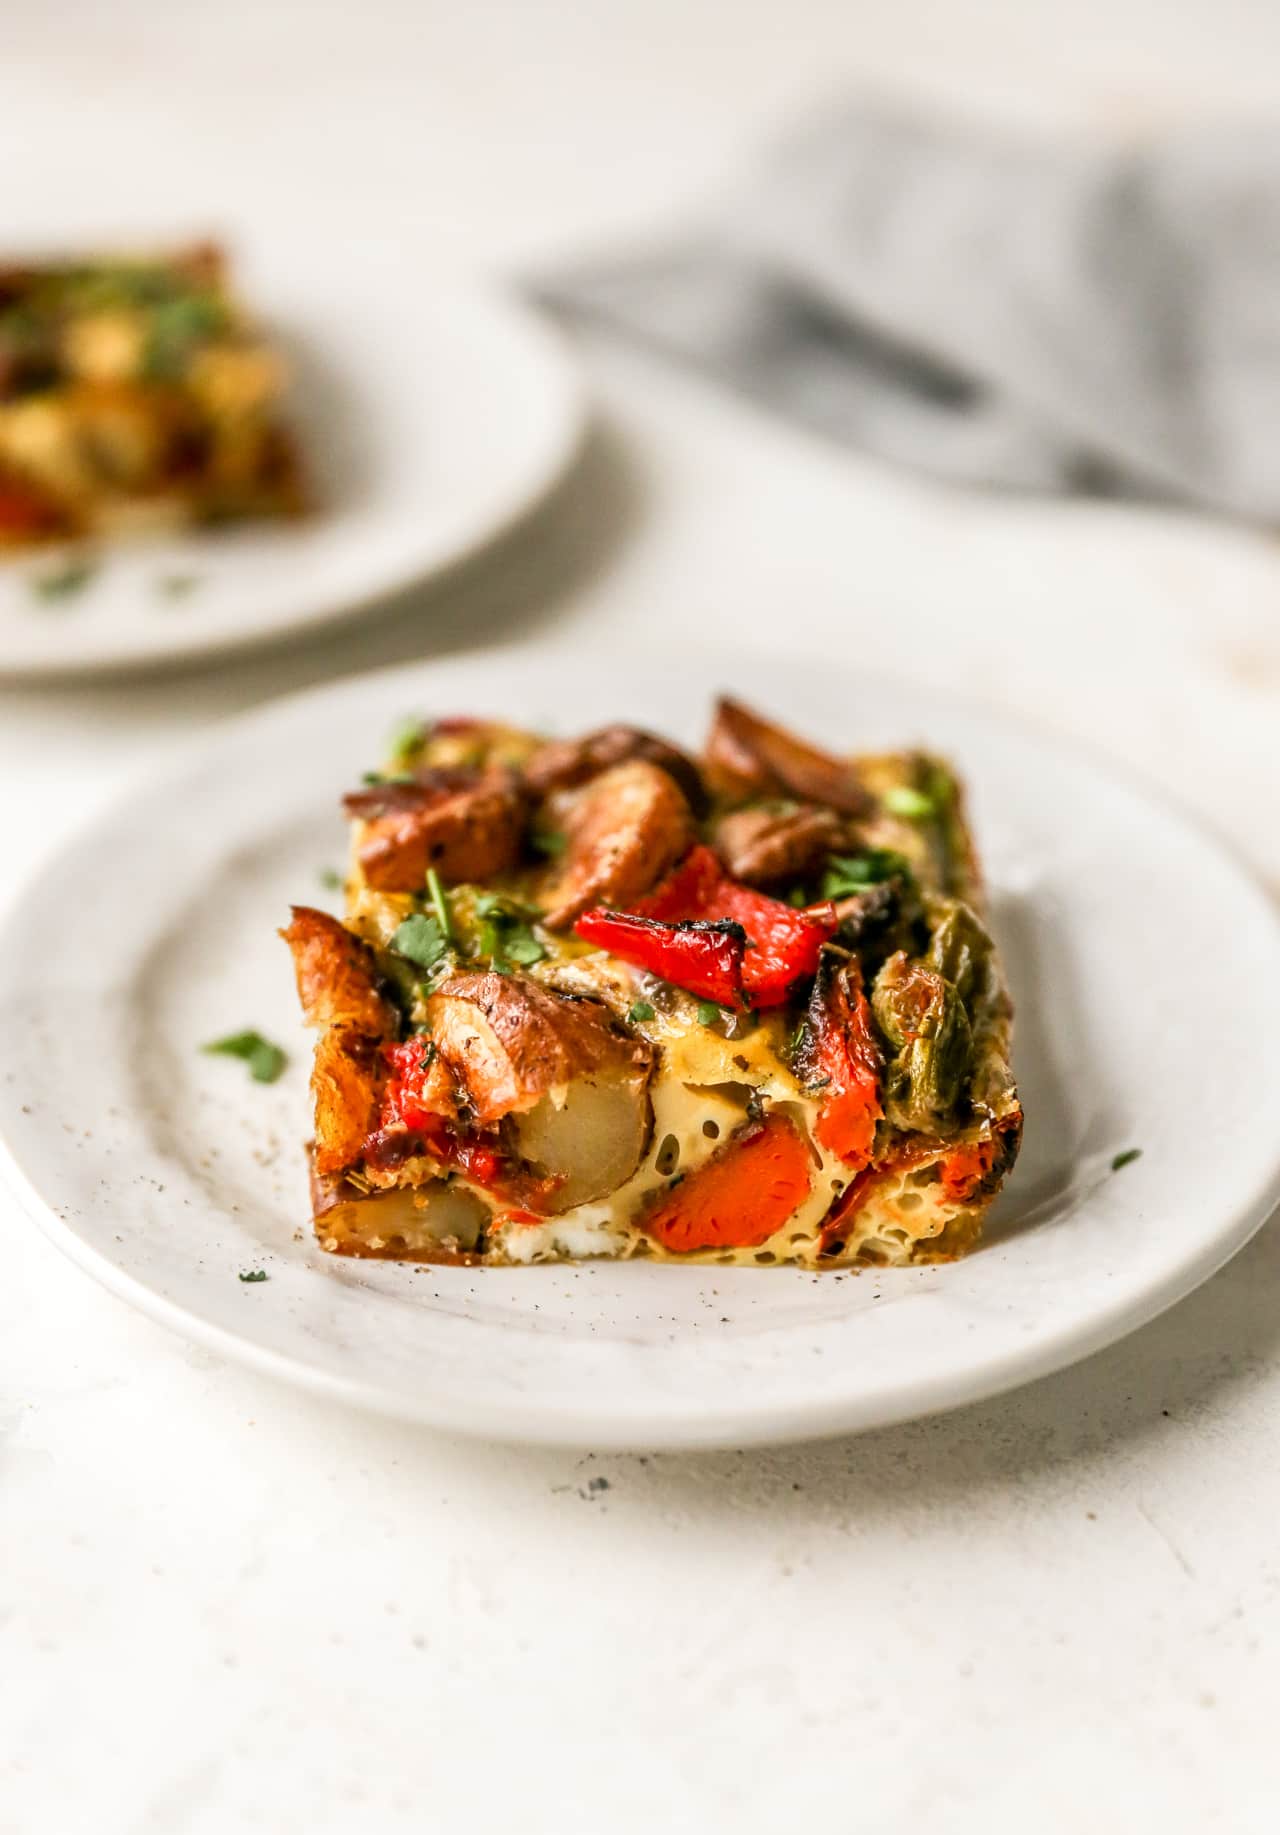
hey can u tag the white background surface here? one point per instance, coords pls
(223, 1606)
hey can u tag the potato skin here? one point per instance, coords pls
(337, 974)
(746, 756)
(767, 847)
(468, 832)
(565, 764)
(623, 830)
(509, 1040)
(346, 1080)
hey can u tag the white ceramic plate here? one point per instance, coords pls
(1145, 964)
(433, 413)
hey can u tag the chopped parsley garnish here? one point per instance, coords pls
(419, 939)
(522, 947)
(849, 874)
(178, 327)
(62, 581)
(177, 585)
(406, 740)
(265, 1060)
(440, 904)
(1126, 1158)
(331, 879)
(505, 934)
(254, 1275)
(640, 1009)
(549, 841)
(709, 1012)
(905, 800)
(374, 778)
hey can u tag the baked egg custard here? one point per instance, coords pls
(603, 997)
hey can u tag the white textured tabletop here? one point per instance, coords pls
(225, 1606)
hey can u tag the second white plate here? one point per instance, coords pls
(433, 414)
(1145, 965)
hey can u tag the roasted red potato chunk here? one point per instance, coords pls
(622, 831)
(337, 975)
(466, 831)
(509, 1040)
(346, 1081)
(564, 764)
(771, 844)
(748, 757)
(570, 1084)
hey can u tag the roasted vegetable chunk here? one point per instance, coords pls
(509, 1040)
(741, 1196)
(773, 844)
(346, 1081)
(923, 1018)
(441, 1221)
(839, 1061)
(571, 1083)
(338, 982)
(564, 764)
(747, 757)
(468, 830)
(780, 943)
(622, 831)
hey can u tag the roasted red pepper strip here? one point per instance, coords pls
(421, 1095)
(704, 959)
(840, 1061)
(964, 1169)
(420, 1092)
(740, 1196)
(967, 1170)
(783, 944)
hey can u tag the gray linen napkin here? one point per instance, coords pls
(992, 311)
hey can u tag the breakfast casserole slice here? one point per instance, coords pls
(598, 997)
(136, 394)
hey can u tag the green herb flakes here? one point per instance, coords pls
(709, 1013)
(406, 740)
(440, 904)
(265, 1060)
(549, 842)
(506, 935)
(1126, 1158)
(849, 874)
(331, 879)
(253, 1276)
(63, 581)
(178, 327)
(522, 947)
(640, 1010)
(903, 800)
(419, 939)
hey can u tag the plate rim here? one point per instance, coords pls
(453, 1411)
(546, 344)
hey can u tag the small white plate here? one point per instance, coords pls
(1145, 964)
(433, 414)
